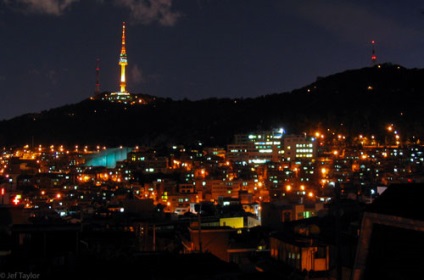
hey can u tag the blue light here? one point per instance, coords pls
(108, 158)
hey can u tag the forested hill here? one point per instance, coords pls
(351, 102)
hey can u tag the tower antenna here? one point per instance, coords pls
(373, 56)
(97, 90)
(123, 61)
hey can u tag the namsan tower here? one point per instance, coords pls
(122, 95)
(123, 62)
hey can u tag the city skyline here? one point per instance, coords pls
(194, 49)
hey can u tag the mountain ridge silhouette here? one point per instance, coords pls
(356, 101)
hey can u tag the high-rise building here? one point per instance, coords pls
(257, 148)
(299, 147)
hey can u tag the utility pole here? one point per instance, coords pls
(154, 237)
(200, 228)
(338, 231)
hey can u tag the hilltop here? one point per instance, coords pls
(351, 102)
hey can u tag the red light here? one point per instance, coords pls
(2, 191)
(17, 199)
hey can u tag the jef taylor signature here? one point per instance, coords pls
(19, 275)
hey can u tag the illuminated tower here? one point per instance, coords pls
(373, 56)
(123, 61)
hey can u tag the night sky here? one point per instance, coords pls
(194, 49)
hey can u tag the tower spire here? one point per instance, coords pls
(373, 56)
(123, 62)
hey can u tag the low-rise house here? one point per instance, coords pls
(390, 244)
